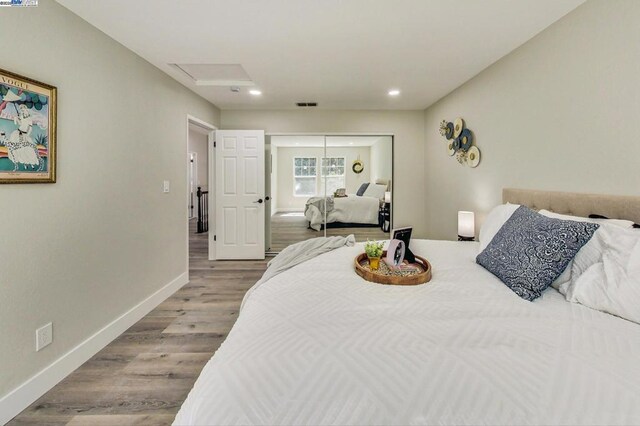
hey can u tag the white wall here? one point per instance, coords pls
(407, 126)
(289, 202)
(198, 144)
(380, 160)
(88, 248)
(558, 113)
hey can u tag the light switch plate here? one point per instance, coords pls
(166, 186)
(44, 336)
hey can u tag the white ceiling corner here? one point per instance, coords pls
(341, 54)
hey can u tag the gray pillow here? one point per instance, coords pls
(362, 188)
(530, 250)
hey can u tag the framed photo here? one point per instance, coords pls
(27, 130)
(404, 235)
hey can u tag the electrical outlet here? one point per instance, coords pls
(44, 336)
(166, 186)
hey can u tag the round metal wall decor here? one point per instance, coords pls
(460, 142)
(449, 134)
(473, 157)
(450, 149)
(357, 167)
(458, 125)
(466, 140)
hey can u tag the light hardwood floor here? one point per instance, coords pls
(144, 375)
(289, 228)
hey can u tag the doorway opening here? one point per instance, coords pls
(200, 178)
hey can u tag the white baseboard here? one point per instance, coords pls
(28, 392)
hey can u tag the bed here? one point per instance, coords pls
(349, 210)
(352, 211)
(318, 345)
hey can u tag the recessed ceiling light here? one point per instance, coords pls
(394, 92)
(255, 92)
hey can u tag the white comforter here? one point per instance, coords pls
(350, 209)
(319, 345)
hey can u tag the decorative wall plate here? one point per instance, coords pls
(458, 125)
(460, 144)
(450, 149)
(456, 144)
(449, 134)
(473, 157)
(357, 167)
(466, 139)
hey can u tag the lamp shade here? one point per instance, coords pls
(387, 197)
(466, 224)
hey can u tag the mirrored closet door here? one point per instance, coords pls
(321, 185)
(357, 171)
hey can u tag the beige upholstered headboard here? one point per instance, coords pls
(384, 182)
(611, 206)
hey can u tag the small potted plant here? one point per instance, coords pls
(374, 252)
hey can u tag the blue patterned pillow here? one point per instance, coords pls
(531, 250)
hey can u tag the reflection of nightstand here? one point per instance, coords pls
(385, 217)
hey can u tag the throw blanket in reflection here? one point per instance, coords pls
(318, 202)
(300, 252)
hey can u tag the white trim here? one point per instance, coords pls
(28, 392)
(193, 184)
(225, 83)
(211, 162)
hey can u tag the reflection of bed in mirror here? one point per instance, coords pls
(353, 210)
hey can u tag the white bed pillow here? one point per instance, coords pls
(375, 191)
(615, 222)
(612, 284)
(493, 222)
(589, 254)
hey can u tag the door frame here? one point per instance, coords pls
(193, 156)
(211, 130)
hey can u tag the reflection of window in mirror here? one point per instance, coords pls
(333, 175)
(304, 176)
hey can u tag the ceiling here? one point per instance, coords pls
(343, 54)
(317, 141)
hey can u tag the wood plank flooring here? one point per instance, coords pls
(144, 375)
(289, 228)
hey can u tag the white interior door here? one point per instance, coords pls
(240, 186)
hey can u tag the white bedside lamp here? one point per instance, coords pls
(387, 197)
(466, 226)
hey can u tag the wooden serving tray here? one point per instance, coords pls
(362, 269)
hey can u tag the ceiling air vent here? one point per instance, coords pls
(306, 104)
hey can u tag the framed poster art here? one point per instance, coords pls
(27, 130)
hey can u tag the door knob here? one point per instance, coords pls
(267, 198)
(259, 201)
